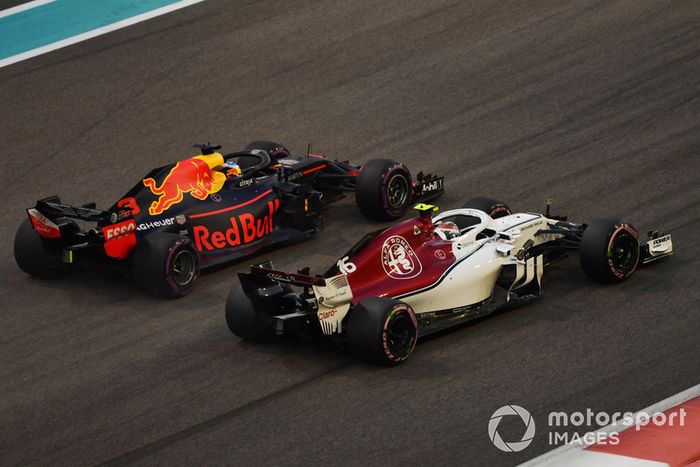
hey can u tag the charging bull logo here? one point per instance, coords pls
(399, 260)
(194, 176)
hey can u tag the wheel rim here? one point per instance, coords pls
(183, 267)
(397, 191)
(623, 252)
(399, 334)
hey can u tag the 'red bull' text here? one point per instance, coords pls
(245, 228)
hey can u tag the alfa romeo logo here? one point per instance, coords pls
(399, 260)
(515, 446)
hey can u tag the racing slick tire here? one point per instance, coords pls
(34, 255)
(609, 251)
(274, 150)
(490, 206)
(384, 189)
(165, 265)
(242, 318)
(382, 331)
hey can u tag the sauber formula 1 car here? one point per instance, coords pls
(209, 209)
(430, 273)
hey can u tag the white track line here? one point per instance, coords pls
(96, 32)
(23, 7)
(559, 455)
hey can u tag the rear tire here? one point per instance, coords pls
(274, 150)
(383, 331)
(609, 251)
(165, 265)
(242, 318)
(490, 206)
(34, 256)
(384, 189)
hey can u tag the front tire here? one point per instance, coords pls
(490, 206)
(384, 189)
(243, 319)
(609, 251)
(34, 256)
(165, 265)
(383, 331)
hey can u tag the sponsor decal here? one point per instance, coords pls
(119, 239)
(128, 204)
(660, 246)
(661, 240)
(245, 228)
(295, 175)
(439, 254)
(112, 232)
(287, 161)
(194, 176)
(398, 259)
(434, 185)
(43, 225)
(416, 230)
(245, 183)
(120, 215)
(215, 197)
(275, 276)
(181, 219)
(327, 314)
(155, 224)
(530, 226)
(336, 288)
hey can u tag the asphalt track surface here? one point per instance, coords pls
(592, 104)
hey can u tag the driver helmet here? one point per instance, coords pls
(447, 230)
(232, 169)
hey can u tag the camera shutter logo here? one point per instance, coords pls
(527, 419)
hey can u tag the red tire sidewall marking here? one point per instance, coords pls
(398, 310)
(613, 269)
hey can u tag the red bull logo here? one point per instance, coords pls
(245, 228)
(194, 176)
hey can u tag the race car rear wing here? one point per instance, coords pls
(52, 208)
(300, 280)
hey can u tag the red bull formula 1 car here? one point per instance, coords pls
(209, 209)
(430, 273)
